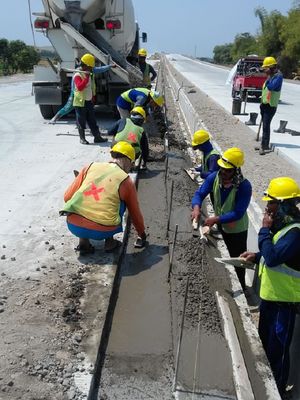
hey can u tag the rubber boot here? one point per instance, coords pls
(99, 139)
(282, 126)
(82, 136)
(252, 119)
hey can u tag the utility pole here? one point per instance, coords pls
(195, 51)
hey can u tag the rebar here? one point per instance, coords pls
(172, 252)
(180, 335)
(170, 206)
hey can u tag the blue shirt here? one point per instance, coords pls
(274, 82)
(138, 98)
(286, 250)
(212, 162)
(242, 198)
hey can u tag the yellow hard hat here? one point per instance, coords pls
(142, 52)
(200, 137)
(139, 110)
(232, 158)
(157, 98)
(282, 188)
(269, 62)
(88, 59)
(124, 148)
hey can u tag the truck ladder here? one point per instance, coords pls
(91, 48)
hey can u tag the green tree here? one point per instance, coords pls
(27, 58)
(243, 44)
(268, 40)
(15, 48)
(222, 54)
(4, 45)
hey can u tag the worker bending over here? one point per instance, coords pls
(84, 90)
(97, 199)
(201, 141)
(231, 198)
(131, 131)
(138, 97)
(279, 273)
(147, 70)
(269, 100)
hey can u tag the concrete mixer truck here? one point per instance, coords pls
(105, 28)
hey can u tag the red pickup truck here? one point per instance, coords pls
(248, 78)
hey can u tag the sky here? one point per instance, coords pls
(191, 27)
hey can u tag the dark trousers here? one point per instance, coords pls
(267, 113)
(276, 325)
(85, 115)
(236, 244)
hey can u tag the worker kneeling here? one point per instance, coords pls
(279, 273)
(231, 198)
(130, 130)
(97, 199)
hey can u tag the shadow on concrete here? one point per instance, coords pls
(139, 261)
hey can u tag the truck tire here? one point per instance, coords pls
(47, 111)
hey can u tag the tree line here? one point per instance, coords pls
(16, 56)
(278, 36)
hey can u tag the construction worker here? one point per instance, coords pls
(231, 198)
(138, 97)
(269, 100)
(201, 141)
(68, 107)
(130, 130)
(279, 272)
(84, 90)
(97, 199)
(146, 69)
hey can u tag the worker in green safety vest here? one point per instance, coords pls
(231, 198)
(201, 142)
(147, 70)
(269, 100)
(279, 271)
(131, 130)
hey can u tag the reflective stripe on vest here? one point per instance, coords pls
(98, 197)
(80, 96)
(146, 76)
(126, 97)
(280, 283)
(240, 225)
(269, 96)
(206, 158)
(132, 134)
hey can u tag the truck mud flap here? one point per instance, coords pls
(45, 94)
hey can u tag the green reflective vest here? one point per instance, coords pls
(269, 96)
(125, 95)
(280, 283)
(80, 96)
(98, 197)
(240, 225)
(132, 134)
(205, 159)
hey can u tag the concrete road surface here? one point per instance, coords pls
(211, 80)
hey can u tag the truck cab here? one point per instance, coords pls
(248, 79)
